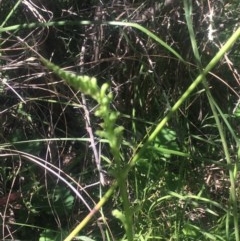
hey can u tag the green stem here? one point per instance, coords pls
(86, 22)
(122, 183)
(213, 105)
(98, 206)
(11, 13)
(225, 48)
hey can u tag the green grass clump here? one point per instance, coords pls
(111, 132)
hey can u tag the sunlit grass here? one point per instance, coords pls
(169, 178)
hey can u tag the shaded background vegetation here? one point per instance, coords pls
(42, 116)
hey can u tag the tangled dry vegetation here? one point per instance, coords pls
(42, 119)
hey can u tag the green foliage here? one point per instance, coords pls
(165, 144)
(158, 118)
(50, 235)
(236, 111)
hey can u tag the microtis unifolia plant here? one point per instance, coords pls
(88, 85)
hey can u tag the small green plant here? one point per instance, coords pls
(109, 130)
